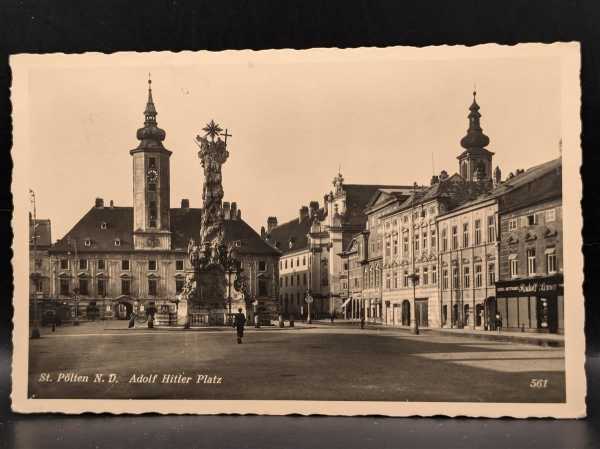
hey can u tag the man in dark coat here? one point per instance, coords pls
(239, 322)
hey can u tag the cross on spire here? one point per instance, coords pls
(226, 135)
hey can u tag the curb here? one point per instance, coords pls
(505, 338)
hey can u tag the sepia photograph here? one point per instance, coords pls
(336, 231)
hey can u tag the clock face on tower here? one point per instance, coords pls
(152, 175)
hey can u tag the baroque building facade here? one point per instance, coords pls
(331, 229)
(468, 264)
(118, 260)
(530, 289)
(299, 267)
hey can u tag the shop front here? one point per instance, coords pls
(531, 305)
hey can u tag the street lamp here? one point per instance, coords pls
(232, 266)
(35, 330)
(308, 299)
(76, 303)
(413, 276)
(415, 326)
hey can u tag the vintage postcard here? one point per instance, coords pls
(391, 231)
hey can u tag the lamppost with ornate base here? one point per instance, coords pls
(309, 300)
(414, 276)
(35, 330)
(75, 306)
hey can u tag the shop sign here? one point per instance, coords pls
(532, 286)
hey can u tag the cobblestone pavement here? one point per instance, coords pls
(301, 363)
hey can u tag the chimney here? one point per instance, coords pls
(443, 175)
(112, 204)
(99, 203)
(435, 180)
(303, 214)
(233, 213)
(263, 233)
(226, 210)
(238, 216)
(271, 223)
(325, 198)
(185, 203)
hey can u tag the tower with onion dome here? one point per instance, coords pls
(151, 184)
(475, 162)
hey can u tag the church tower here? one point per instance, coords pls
(151, 189)
(475, 162)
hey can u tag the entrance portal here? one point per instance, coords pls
(422, 312)
(490, 313)
(405, 313)
(123, 310)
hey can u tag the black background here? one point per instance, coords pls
(44, 26)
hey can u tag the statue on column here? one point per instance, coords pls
(205, 286)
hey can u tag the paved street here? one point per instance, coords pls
(316, 363)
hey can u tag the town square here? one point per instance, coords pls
(212, 237)
(307, 362)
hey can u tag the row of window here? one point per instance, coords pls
(424, 239)
(83, 264)
(101, 287)
(531, 219)
(84, 287)
(423, 276)
(453, 242)
(417, 213)
(292, 299)
(532, 263)
(466, 277)
(284, 263)
(288, 280)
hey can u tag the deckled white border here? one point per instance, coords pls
(569, 56)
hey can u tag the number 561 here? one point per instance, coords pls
(538, 383)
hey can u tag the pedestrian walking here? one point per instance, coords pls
(239, 322)
(362, 322)
(498, 323)
(332, 317)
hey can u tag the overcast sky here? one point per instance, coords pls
(380, 114)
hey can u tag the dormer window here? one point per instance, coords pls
(117, 242)
(103, 225)
(87, 242)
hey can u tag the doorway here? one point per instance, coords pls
(123, 310)
(405, 313)
(490, 310)
(422, 312)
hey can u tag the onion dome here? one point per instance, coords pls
(475, 139)
(151, 136)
